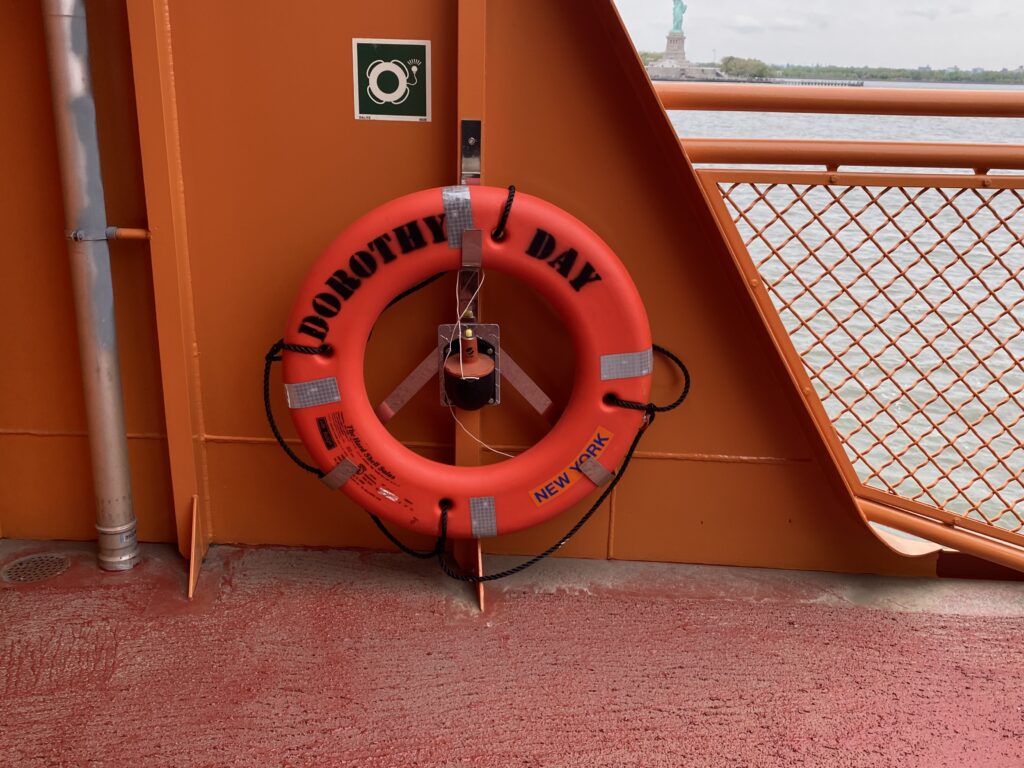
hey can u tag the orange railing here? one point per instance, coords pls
(833, 154)
(896, 297)
(735, 97)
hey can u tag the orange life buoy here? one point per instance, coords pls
(401, 244)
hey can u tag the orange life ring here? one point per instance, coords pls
(406, 241)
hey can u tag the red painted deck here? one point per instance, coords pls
(319, 658)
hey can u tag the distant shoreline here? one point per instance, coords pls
(754, 69)
(983, 77)
(760, 81)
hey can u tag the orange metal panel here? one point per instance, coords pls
(273, 165)
(37, 507)
(472, 61)
(35, 257)
(161, 159)
(709, 516)
(738, 97)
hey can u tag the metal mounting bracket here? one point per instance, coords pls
(470, 152)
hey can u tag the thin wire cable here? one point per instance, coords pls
(485, 445)
(457, 330)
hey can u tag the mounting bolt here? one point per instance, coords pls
(491, 401)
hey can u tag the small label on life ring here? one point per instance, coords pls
(572, 474)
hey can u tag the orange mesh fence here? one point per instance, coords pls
(905, 304)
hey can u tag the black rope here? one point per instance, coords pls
(273, 356)
(498, 233)
(474, 579)
(424, 555)
(417, 287)
(651, 410)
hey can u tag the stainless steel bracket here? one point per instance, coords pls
(469, 276)
(470, 146)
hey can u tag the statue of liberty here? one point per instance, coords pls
(678, 9)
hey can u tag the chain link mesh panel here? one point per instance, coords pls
(905, 304)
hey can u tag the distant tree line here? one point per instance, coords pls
(750, 68)
(923, 74)
(755, 69)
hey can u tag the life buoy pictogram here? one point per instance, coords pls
(405, 242)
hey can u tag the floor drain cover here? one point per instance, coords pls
(34, 568)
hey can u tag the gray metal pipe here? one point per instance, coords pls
(86, 221)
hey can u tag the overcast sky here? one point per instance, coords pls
(901, 33)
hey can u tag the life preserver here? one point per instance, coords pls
(406, 241)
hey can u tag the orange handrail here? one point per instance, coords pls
(946, 535)
(832, 154)
(739, 97)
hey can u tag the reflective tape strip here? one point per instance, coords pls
(627, 365)
(340, 475)
(407, 390)
(458, 213)
(482, 519)
(522, 383)
(595, 471)
(306, 394)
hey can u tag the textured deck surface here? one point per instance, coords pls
(314, 658)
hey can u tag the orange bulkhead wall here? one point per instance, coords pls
(236, 145)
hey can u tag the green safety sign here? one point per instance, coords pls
(391, 79)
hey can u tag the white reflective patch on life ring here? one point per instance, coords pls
(595, 471)
(458, 213)
(483, 518)
(306, 394)
(340, 475)
(627, 365)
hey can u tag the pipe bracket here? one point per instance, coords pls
(80, 235)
